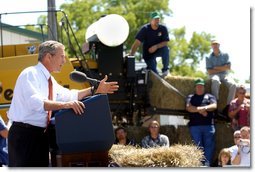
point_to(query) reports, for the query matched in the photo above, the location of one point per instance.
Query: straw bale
(174, 156)
(161, 96)
(181, 135)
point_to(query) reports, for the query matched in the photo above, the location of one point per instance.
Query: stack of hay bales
(162, 96)
(174, 156)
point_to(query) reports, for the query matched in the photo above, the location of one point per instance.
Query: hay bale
(161, 96)
(183, 135)
(174, 156)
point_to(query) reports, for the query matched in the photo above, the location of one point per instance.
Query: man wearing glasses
(242, 155)
(239, 109)
(155, 139)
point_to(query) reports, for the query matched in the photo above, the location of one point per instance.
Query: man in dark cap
(154, 37)
(201, 108)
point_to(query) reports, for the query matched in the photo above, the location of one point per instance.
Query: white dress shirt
(30, 91)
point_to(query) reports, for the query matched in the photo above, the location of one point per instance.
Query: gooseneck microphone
(81, 77)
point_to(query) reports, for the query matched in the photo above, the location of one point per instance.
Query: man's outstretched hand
(107, 87)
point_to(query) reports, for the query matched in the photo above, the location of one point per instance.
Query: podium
(84, 140)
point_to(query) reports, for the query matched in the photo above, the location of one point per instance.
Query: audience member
(3, 139)
(155, 139)
(201, 107)
(233, 149)
(3, 143)
(242, 156)
(224, 157)
(154, 37)
(218, 66)
(239, 109)
(121, 137)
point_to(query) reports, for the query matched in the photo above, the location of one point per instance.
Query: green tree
(135, 12)
(40, 26)
(185, 56)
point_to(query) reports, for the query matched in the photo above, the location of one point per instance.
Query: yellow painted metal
(92, 64)
(17, 50)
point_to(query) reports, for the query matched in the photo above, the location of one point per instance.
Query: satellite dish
(112, 30)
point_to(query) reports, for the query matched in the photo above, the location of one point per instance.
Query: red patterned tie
(50, 97)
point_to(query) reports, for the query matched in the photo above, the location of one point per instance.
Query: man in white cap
(154, 37)
(218, 66)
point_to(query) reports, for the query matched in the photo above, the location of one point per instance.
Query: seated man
(218, 66)
(121, 137)
(153, 37)
(155, 139)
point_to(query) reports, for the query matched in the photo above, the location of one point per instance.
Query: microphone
(81, 77)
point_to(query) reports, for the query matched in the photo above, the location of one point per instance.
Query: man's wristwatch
(92, 89)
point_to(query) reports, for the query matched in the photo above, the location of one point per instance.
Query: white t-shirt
(244, 154)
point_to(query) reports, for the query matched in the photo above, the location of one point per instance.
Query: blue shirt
(161, 140)
(3, 145)
(201, 100)
(150, 37)
(220, 60)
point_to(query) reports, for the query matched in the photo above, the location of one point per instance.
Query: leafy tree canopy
(185, 55)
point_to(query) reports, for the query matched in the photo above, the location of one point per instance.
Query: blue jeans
(204, 137)
(152, 63)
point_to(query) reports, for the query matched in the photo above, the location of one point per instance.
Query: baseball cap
(199, 81)
(215, 42)
(155, 15)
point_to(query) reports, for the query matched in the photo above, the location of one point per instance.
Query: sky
(228, 20)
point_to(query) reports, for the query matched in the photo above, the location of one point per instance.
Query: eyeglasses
(241, 92)
(236, 137)
(153, 126)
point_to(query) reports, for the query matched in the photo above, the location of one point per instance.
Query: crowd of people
(152, 140)
(37, 94)
(201, 107)
(240, 153)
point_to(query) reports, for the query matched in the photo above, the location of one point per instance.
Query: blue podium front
(90, 132)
